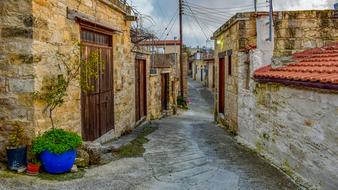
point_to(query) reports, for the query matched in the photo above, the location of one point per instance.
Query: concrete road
(187, 152)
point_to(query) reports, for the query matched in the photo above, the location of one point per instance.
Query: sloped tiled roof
(315, 68)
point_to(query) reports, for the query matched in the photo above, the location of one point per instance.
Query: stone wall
(300, 30)
(154, 108)
(295, 128)
(16, 69)
(210, 77)
(32, 32)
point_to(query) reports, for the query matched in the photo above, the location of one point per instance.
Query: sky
(203, 17)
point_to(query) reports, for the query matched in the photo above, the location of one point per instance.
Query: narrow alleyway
(186, 152)
(191, 152)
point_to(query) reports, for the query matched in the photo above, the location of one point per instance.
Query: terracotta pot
(33, 169)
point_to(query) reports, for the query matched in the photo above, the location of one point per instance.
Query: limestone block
(82, 158)
(12, 32)
(21, 85)
(2, 83)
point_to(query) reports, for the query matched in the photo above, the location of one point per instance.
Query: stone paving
(187, 152)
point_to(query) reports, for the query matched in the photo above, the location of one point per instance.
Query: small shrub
(17, 137)
(56, 141)
(182, 102)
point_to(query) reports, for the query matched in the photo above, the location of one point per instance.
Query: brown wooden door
(165, 91)
(98, 105)
(221, 85)
(140, 88)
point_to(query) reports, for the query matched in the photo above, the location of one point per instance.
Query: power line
(199, 24)
(166, 28)
(192, 29)
(231, 11)
(208, 19)
(172, 26)
(224, 8)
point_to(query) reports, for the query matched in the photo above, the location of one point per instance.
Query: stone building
(32, 32)
(280, 96)
(169, 47)
(164, 86)
(294, 31)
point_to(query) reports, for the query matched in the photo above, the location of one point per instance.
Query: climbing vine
(86, 71)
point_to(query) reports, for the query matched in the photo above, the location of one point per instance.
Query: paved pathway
(186, 152)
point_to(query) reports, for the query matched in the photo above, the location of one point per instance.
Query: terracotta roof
(160, 42)
(315, 68)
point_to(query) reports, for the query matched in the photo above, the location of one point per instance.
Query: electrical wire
(172, 26)
(198, 23)
(166, 28)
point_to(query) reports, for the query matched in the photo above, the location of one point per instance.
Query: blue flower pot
(17, 157)
(57, 163)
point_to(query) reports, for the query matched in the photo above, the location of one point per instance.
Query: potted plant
(33, 167)
(16, 149)
(57, 150)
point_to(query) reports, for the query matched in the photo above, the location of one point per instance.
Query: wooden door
(140, 88)
(221, 86)
(165, 91)
(98, 104)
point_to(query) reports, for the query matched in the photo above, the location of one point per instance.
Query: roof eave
(318, 85)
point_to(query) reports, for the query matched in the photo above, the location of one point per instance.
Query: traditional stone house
(239, 35)
(32, 32)
(164, 86)
(169, 47)
(285, 95)
(198, 67)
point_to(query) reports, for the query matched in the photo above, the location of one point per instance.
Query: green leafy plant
(17, 137)
(182, 102)
(86, 71)
(56, 141)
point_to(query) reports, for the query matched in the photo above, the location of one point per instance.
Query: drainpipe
(255, 3)
(270, 21)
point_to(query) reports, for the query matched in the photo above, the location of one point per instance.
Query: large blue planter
(17, 157)
(57, 163)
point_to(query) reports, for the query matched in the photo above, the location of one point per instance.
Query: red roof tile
(316, 66)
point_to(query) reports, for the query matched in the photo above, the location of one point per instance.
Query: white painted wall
(295, 128)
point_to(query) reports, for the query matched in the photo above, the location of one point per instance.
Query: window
(229, 54)
(229, 65)
(96, 38)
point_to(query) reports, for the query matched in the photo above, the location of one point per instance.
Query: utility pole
(255, 3)
(270, 20)
(181, 49)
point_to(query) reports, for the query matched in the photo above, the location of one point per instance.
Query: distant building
(169, 47)
(202, 64)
